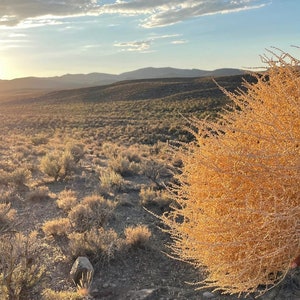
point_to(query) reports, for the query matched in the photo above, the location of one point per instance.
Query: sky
(54, 37)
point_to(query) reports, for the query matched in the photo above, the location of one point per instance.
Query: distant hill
(20, 87)
(169, 89)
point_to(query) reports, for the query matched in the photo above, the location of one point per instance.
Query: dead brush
(137, 236)
(7, 218)
(238, 194)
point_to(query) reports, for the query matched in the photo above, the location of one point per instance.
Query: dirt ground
(140, 273)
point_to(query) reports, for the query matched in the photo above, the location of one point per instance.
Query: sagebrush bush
(238, 196)
(96, 243)
(57, 227)
(67, 199)
(111, 181)
(21, 268)
(20, 177)
(51, 165)
(152, 197)
(137, 236)
(7, 218)
(60, 164)
(93, 211)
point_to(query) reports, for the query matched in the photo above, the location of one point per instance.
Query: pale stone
(82, 268)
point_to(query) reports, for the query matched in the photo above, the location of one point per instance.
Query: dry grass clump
(110, 150)
(57, 227)
(17, 178)
(137, 236)
(49, 294)
(93, 211)
(7, 217)
(67, 199)
(21, 269)
(40, 193)
(7, 195)
(97, 243)
(238, 199)
(155, 171)
(111, 181)
(39, 139)
(20, 177)
(151, 197)
(122, 165)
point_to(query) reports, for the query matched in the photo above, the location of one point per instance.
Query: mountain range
(71, 81)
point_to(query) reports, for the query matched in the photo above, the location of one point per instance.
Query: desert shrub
(147, 196)
(7, 195)
(154, 170)
(76, 150)
(7, 218)
(96, 243)
(19, 177)
(21, 269)
(111, 181)
(57, 227)
(67, 199)
(122, 165)
(152, 197)
(238, 195)
(93, 211)
(49, 294)
(132, 155)
(4, 177)
(40, 193)
(59, 164)
(68, 164)
(51, 165)
(137, 236)
(39, 140)
(110, 150)
(119, 164)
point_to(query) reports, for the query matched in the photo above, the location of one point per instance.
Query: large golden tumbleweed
(238, 197)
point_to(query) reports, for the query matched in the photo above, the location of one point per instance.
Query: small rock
(82, 269)
(208, 295)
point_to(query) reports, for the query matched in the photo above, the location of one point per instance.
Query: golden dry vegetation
(238, 198)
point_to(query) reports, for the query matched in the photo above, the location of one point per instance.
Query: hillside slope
(168, 88)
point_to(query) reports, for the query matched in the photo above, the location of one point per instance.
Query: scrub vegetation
(93, 172)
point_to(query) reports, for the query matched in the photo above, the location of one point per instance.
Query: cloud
(156, 13)
(13, 12)
(138, 46)
(168, 12)
(145, 45)
(178, 42)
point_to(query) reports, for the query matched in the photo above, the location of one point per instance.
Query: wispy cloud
(138, 46)
(156, 13)
(14, 40)
(145, 45)
(167, 12)
(178, 42)
(13, 12)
